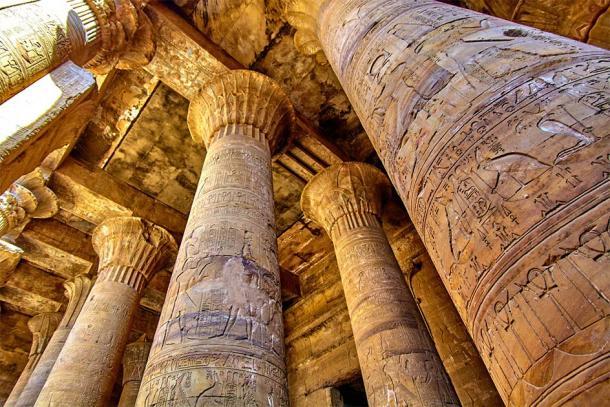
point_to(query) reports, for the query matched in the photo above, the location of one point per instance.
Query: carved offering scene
(304, 203)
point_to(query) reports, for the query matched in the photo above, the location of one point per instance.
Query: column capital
(352, 191)
(42, 327)
(124, 34)
(28, 197)
(76, 290)
(131, 250)
(303, 16)
(242, 98)
(10, 255)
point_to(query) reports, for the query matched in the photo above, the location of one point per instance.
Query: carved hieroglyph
(496, 138)
(42, 327)
(77, 290)
(36, 36)
(220, 335)
(398, 361)
(134, 362)
(131, 250)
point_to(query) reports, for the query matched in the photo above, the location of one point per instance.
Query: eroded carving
(220, 334)
(134, 362)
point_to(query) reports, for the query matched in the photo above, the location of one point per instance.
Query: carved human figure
(42, 327)
(220, 335)
(134, 362)
(37, 36)
(399, 363)
(495, 137)
(77, 290)
(131, 250)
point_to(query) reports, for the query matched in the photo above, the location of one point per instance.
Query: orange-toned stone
(398, 361)
(42, 327)
(131, 250)
(495, 137)
(77, 290)
(134, 362)
(220, 335)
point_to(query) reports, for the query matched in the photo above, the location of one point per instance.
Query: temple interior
(304, 202)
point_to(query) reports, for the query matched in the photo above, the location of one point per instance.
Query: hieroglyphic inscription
(220, 334)
(398, 361)
(128, 247)
(496, 138)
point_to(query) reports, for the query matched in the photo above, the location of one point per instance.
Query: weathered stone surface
(9, 258)
(220, 334)
(77, 290)
(134, 362)
(398, 361)
(494, 135)
(585, 20)
(42, 327)
(131, 250)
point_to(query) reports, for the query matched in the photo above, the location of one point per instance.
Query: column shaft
(77, 290)
(398, 361)
(130, 251)
(42, 327)
(134, 362)
(220, 336)
(495, 137)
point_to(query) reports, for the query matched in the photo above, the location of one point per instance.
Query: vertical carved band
(220, 335)
(398, 361)
(495, 137)
(134, 362)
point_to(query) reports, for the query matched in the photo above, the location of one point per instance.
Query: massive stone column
(37, 36)
(77, 290)
(495, 136)
(131, 250)
(134, 362)
(220, 335)
(42, 327)
(398, 361)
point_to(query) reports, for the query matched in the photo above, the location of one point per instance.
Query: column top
(242, 97)
(342, 189)
(133, 243)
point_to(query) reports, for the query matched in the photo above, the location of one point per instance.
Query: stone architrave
(398, 360)
(37, 36)
(220, 335)
(42, 327)
(131, 250)
(134, 362)
(495, 137)
(77, 290)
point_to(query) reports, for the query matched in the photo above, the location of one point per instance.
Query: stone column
(220, 335)
(398, 361)
(77, 290)
(134, 362)
(495, 137)
(131, 250)
(42, 327)
(37, 36)
(460, 357)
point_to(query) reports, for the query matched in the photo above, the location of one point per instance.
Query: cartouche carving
(77, 290)
(28, 197)
(398, 360)
(495, 137)
(220, 335)
(131, 250)
(134, 362)
(42, 327)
